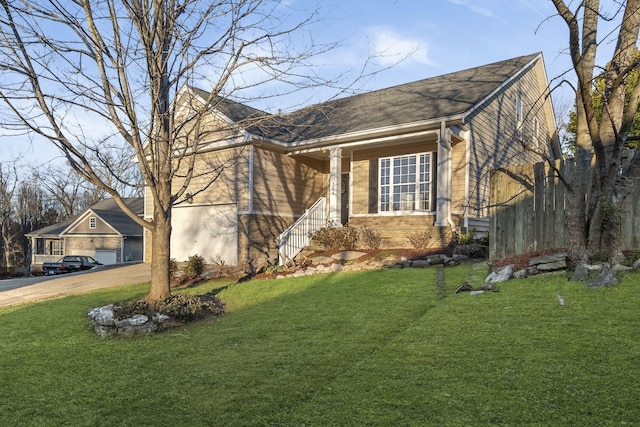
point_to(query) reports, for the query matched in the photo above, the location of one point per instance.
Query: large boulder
(501, 275)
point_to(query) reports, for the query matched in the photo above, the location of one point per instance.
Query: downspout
(443, 205)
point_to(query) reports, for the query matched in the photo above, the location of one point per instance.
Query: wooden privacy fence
(528, 210)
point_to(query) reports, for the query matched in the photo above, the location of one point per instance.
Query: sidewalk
(77, 283)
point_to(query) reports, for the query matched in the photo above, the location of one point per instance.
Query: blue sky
(435, 36)
(449, 35)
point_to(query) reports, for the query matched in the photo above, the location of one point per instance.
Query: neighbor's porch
(46, 249)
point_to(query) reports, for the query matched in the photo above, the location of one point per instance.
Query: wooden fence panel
(538, 195)
(528, 210)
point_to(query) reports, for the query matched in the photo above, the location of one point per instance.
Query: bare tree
(597, 192)
(70, 67)
(9, 228)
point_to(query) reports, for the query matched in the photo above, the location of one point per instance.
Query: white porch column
(443, 200)
(335, 176)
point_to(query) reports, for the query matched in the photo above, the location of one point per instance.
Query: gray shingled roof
(433, 98)
(107, 210)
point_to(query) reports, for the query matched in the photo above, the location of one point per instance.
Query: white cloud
(390, 47)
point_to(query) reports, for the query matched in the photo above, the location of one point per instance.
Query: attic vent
(92, 222)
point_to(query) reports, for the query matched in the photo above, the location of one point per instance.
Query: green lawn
(372, 348)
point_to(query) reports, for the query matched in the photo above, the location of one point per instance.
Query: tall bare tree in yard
(69, 67)
(601, 181)
(9, 228)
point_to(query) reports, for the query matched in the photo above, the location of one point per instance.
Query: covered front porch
(386, 178)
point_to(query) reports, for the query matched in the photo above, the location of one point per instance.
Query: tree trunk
(579, 181)
(160, 255)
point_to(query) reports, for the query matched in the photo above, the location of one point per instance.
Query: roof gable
(108, 211)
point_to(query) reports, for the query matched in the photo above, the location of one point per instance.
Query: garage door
(208, 231)
(105, 256)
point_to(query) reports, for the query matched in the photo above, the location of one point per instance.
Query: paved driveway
(25, 290)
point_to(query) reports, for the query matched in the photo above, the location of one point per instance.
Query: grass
(370, 348)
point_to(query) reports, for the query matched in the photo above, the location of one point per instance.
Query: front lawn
(370, 348)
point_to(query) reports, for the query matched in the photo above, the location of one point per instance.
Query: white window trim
(417, 200)
(92, 222)
(57, 247)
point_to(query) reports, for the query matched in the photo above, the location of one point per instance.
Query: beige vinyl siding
(458, 172)
(73, 244)
(495, 141)
(284, 185)
(210, 127)
(83, 227)
(219, 177)
(258, 239)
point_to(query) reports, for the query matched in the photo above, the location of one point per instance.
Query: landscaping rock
(549, 259)
(321, 260)
(521, 274)
(106, 325)
(580, 274)
(347, 255)
(552, 266)
(636, 264)
(436, 259)
(606, 278)
(620, 267)
(103, 316)
(421, 263)
(501, 275)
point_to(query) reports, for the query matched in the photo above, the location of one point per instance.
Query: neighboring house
(413, 158)
(103, 231)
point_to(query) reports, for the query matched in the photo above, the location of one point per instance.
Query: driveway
(19, 291)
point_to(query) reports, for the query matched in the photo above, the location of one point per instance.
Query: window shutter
(373, 186)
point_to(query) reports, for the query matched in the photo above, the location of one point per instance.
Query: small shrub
(472, 250)
(194, 268)
(273, 267)
(188, 308)
(466, 238)
(337, 238)
(420, 239)
(369, 239)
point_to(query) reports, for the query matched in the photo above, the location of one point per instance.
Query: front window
(56, 247)
(405, 183)
(92, 222)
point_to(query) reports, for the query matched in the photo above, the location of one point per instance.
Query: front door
(344, 190)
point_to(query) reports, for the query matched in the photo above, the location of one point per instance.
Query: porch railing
(296, 237)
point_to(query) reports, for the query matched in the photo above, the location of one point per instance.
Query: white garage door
(105, 256)
(208, 231)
